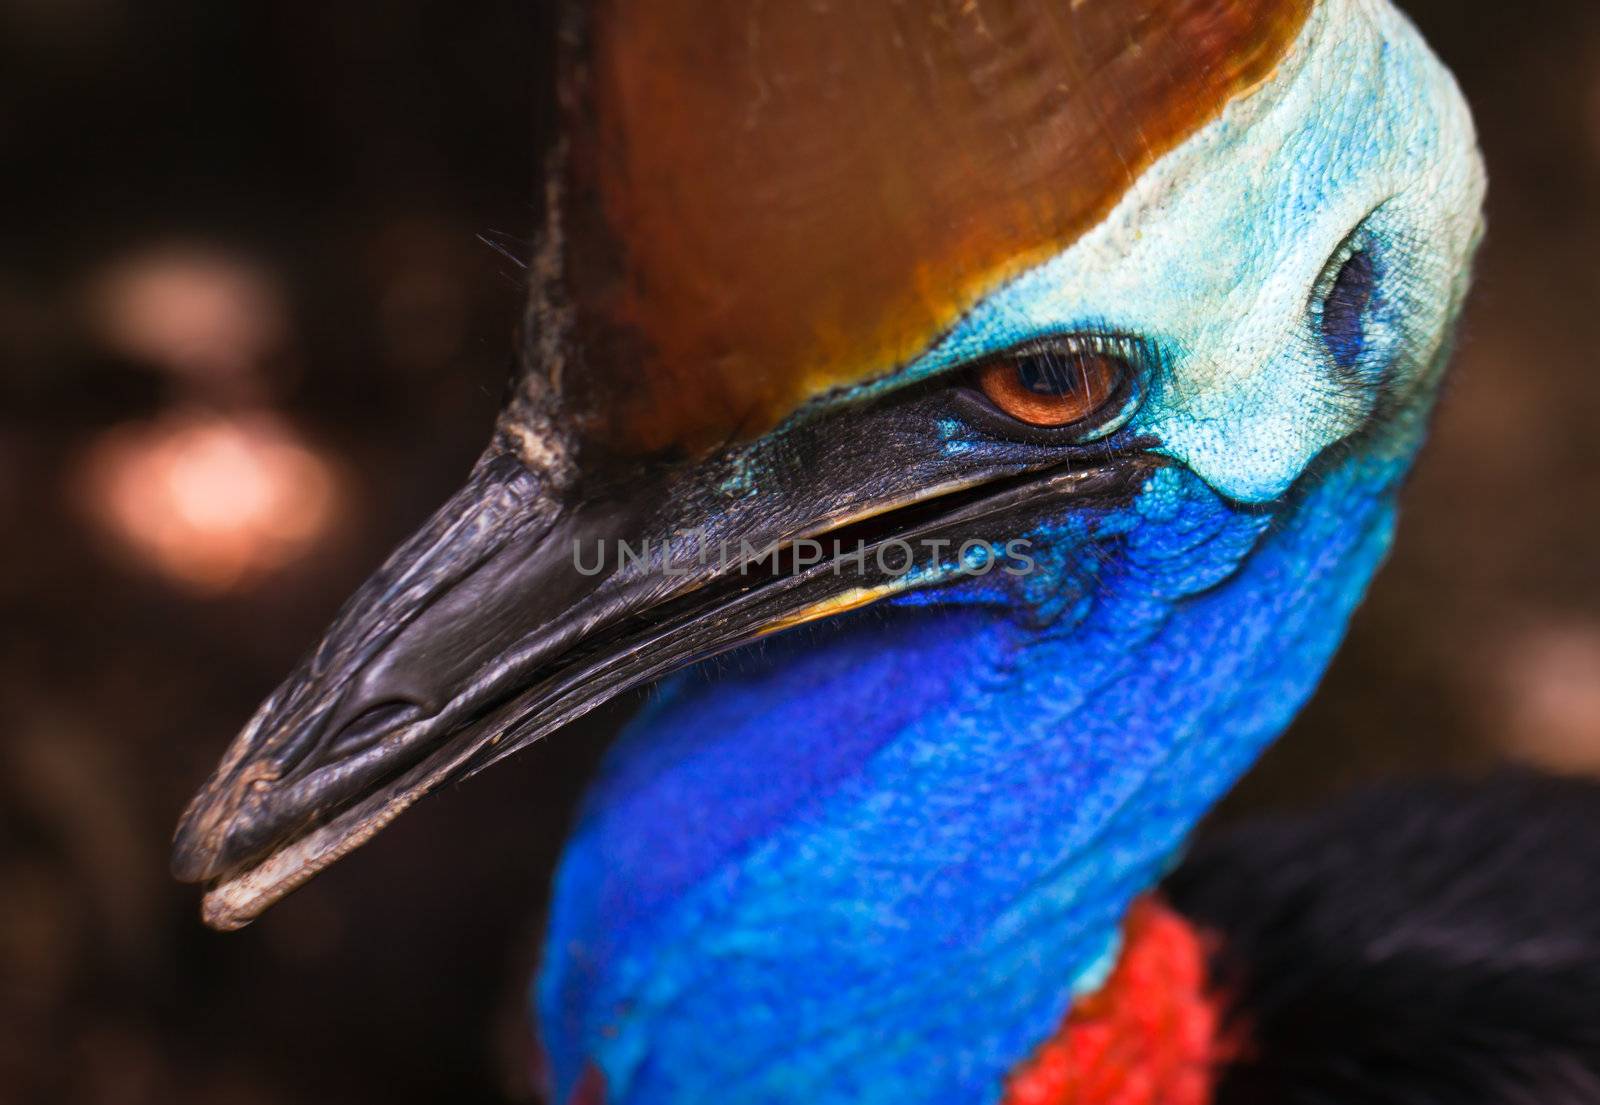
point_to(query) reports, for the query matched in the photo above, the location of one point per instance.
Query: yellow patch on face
(842, 603)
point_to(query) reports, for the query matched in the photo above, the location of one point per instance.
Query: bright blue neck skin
(872, 863)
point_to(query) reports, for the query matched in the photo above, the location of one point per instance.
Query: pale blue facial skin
(1215, 255)
(874, 862)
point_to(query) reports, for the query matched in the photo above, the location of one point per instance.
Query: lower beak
(511, 613)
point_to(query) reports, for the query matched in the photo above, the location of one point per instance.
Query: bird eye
(1055, 386)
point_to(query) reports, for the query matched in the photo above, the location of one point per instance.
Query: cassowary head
(1086, 342)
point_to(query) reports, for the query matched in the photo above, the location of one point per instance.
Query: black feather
(1420, 944)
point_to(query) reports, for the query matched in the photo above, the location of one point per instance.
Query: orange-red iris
(1052, 388)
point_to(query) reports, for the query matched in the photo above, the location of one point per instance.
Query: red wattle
(1150, 1036)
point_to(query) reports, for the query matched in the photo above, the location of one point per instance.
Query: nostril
(372, 725)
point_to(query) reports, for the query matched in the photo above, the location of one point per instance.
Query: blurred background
(258, 280)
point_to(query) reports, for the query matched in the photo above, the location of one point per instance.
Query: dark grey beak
(360, 714)
(520, 606)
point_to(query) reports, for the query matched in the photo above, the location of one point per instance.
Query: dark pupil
(1346, 304)
(1050, 373)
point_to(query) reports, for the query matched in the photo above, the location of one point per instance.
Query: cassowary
(1086, 342)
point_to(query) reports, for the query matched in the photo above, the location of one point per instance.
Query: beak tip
(193, 860)
(202, 843)
(220, 915)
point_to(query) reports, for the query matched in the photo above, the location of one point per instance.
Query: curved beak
(518, 608)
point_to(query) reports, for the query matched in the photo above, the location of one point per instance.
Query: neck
(876, 866)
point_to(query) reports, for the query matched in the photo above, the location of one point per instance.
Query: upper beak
(516, 609)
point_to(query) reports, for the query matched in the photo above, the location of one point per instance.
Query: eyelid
(1134, 350)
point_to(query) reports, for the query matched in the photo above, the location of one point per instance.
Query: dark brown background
(338, 160)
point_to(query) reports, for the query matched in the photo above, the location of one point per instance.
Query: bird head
(1003, 307)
